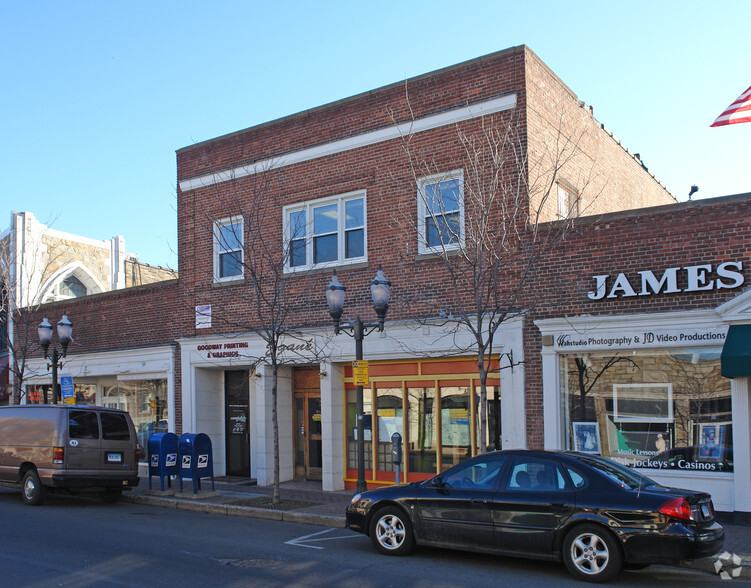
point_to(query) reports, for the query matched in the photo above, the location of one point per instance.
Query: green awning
(736, 353)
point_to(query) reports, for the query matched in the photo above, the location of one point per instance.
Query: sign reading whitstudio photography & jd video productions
(641, 339)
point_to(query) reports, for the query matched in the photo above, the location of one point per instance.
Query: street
(73, 541)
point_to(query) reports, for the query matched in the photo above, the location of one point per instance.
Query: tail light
(58, 455)
(139, 450)
(678, 508)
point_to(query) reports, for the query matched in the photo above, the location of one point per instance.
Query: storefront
(648, 391)
(139, 381)
(422, 384)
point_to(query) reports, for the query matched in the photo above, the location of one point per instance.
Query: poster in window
(586, 437)
(712, 439)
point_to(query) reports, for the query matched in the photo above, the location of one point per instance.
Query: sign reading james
(697, 278)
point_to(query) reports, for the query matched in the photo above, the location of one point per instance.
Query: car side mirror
(436, 482)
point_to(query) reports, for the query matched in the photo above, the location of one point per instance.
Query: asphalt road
(73, 541)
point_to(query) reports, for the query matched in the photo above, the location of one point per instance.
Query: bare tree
(488, 223)
(269, 302)
(24, 274)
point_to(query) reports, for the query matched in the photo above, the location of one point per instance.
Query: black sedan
(594, 514)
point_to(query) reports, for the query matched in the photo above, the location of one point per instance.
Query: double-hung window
(325, 232)
(228, 249)
(440, 212)
(568, 202)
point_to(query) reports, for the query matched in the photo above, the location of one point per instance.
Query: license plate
(705, 511)
(114, 458)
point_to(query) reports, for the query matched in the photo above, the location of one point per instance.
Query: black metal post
(361, 486)
(55, 359)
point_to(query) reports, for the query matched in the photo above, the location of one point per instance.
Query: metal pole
(55, 387)
(361, 486)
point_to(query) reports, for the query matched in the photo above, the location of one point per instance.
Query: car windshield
(622, 475)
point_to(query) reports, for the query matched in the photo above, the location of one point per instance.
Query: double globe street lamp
(65, 335)
(380, 291)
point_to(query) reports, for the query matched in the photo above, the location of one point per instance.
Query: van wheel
(33, 490)
(111, 495)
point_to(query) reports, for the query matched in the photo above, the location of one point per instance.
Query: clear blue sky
(96, 96)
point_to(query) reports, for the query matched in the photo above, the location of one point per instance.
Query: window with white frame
(440, 212)
(325, 232)
(568, 202)
(228, 249)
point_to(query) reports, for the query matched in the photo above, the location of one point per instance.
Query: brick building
(39, 264)
(396, 177)
(343, 187)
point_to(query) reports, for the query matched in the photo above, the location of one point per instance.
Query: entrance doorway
(237, 422)
(306, 387)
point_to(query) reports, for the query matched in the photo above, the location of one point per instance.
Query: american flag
(738, 112)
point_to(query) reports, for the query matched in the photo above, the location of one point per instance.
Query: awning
(736, 353)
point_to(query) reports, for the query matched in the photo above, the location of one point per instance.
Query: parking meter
(396, 454)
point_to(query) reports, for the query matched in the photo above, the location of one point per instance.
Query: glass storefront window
(492, 417)
(145, 401)
(352, 427)
(664, 410)
(422, 422)
(390, 413)
(433, 405)
(455, 425)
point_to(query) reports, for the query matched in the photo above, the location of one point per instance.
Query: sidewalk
(305, 502)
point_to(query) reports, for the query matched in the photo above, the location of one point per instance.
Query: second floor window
(325, 232)
(440, 212)
(228, 249)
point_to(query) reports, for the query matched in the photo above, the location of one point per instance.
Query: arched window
(71, 287)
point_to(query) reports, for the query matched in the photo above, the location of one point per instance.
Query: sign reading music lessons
(360, 372)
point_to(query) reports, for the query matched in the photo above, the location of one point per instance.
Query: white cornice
(427, 123)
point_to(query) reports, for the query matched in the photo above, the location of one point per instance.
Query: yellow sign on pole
(360, 372)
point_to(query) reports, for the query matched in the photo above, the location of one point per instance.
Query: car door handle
(480, 500)
(558, 506)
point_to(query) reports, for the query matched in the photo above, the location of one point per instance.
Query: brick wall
(388, 176)
(565, 136)
(708, 231)
(122, 319)
(138, 274)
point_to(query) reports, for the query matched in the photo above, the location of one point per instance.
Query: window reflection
(668, 410)
(422, 418)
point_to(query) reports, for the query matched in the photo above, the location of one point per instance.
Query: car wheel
(111, 495)
(591, 554)
(33, 490)
(391, 531)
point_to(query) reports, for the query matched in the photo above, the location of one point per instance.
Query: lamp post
(65, 334)
(380, 291)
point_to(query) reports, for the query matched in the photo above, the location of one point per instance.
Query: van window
(83, 424)
(115, 427)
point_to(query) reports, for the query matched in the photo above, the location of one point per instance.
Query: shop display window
(664, 410)
(435, 407)
(145, 401)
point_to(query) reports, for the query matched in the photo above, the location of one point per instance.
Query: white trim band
(363, 140)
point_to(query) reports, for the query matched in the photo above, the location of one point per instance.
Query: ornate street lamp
(380, 291)
(65, 335)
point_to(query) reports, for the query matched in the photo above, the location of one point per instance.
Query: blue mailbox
(196, 459)
(163, 457)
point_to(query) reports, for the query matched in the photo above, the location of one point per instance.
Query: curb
(240, 511)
